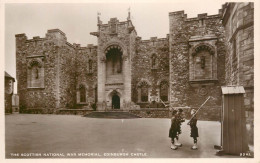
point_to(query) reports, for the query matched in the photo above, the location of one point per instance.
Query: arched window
(144, 92)
(82, 92)
(164, 91)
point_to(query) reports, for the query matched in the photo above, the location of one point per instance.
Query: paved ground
(58, 135)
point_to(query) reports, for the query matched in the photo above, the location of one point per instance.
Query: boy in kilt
(173, 129)
(194, 129)
(180, 120)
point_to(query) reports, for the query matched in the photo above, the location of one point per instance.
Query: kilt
(194, 132)
(172, 133)
(173, 129)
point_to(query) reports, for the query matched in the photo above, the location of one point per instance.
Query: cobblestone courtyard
(58, 136)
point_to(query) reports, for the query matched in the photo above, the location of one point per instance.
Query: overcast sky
(78, 20)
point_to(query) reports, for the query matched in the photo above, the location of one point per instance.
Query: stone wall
(85, 74)
(56, 58)
(74, 111)
(143, 70)
(238, 20)
(45, 50)
(185, 35)
(67, 76)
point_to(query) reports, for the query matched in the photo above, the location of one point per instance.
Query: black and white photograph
(129, 80)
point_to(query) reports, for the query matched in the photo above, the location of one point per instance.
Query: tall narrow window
(82, 91)
(164, 91)
(234, 49)
(144, 92)
(90, 66)
(154, 61)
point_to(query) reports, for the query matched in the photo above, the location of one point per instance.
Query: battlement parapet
(199, 16)
(153, 39)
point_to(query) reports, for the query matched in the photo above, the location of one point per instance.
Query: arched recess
(114, 43)
(143, 88)
(203, 62)
(114, 60)
(82, 93)
(203, 46)
(35, 73)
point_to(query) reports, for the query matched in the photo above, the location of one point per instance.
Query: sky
(78, 20)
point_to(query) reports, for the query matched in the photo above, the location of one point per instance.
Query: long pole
(199, 109)
(164, 103)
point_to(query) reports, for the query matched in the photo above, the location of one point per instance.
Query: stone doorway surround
(114, 97)
(115, 102)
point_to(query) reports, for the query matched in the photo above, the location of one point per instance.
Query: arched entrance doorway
(115, 102)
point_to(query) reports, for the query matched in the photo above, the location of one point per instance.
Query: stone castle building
(238, 21)
(124, 72)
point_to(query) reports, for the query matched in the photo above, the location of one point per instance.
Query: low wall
(55, 111)
(206, 113)
(151, 113)
(36, 111)
(74, 111)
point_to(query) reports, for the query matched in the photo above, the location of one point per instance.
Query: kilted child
(180, 119)
(194, 129)
(173, 129)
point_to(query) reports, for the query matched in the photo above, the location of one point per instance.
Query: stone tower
(116, 45)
